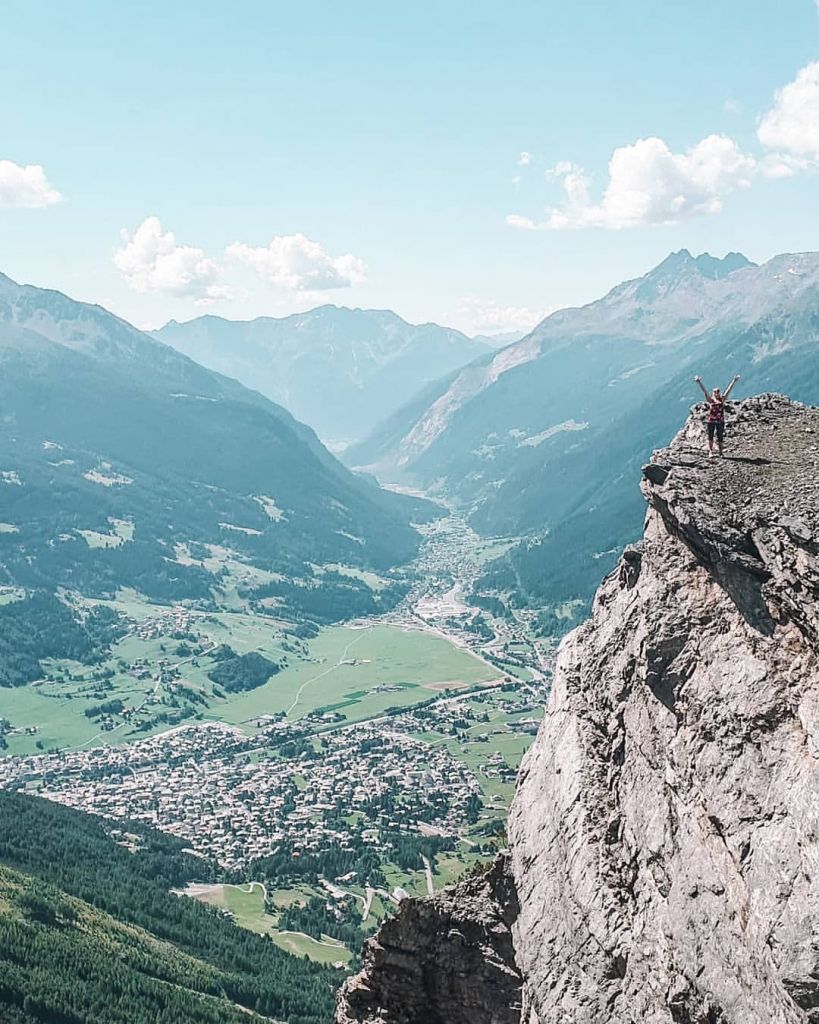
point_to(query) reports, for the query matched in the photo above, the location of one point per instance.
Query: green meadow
(347, 667)
(246, 905)
(358, 672)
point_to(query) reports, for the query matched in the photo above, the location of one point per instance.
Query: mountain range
(342, 371)
(124, 463)
(540, 439)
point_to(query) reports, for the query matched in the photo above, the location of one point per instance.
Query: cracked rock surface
(664, 836)
(446, 959)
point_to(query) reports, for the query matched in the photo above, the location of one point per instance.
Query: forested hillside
(91, 934)
(124, 464)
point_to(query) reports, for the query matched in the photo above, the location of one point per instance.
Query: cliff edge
(663, 863)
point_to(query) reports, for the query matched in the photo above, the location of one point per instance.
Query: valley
(375, 761)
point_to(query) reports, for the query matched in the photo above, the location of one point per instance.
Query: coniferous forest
(92, 934)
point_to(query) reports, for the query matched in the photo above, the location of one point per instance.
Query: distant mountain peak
(340, 369)
(705, 264)
(7, 286)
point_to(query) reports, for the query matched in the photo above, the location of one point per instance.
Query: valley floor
(396, 740)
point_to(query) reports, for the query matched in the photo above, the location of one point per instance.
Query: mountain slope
(539, 438)
(340, 370)
(664, 827)
(108, 433)
(89, 932)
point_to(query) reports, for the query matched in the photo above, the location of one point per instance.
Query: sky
(472, 163)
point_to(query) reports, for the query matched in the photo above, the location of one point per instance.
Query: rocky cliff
(664, 838)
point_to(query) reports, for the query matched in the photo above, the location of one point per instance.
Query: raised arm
(698, 379)
(730, 387)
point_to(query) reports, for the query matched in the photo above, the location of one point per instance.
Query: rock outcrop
(443, 960)
(664, 836)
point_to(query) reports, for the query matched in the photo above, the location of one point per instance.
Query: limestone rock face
(446, 959)
(664, 836)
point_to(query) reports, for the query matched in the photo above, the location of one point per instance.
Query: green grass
(508, 669)
(373, 581)
(59, 718)
(246, 904)
(287, 897)
(488, 550)
(450, 868)
(326, 952)
(385, 655)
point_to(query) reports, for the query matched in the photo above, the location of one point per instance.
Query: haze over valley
(331, 683)
(398, 624)
(342, 371)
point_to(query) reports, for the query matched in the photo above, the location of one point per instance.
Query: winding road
(251, 886)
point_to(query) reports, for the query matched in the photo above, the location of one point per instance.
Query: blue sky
(268, 157)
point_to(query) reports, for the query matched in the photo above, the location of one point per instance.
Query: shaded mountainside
(124, 463)
(543, 438)
(89, 932)
(665, 829)
(341, 370)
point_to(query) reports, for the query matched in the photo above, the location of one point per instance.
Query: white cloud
(25, 186)
(791, 127)
(295, 263)
(560, 168)
(515, 220)
(485, 316)
(649, 185)
(524, 159)
(151, 261)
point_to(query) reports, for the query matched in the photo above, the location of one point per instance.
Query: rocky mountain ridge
(683, 298)
(664, 835)
(544, 439)
(340, 370)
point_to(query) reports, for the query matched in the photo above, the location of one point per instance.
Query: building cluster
(231, 798)
(446, 573)
(174, 620)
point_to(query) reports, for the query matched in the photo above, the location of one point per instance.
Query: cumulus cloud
(791, 127)
(295, 263)
(150, 260)
(25, 186)
(524, 159)
(648, 184)
(485, 316)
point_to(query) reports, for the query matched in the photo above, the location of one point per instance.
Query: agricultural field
(158, 676)
(348, 669)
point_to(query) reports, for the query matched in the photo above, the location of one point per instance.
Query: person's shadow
(758, 461)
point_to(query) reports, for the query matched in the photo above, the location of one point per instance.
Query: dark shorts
(717, 428)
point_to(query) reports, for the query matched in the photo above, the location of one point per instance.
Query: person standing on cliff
(715, 424)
